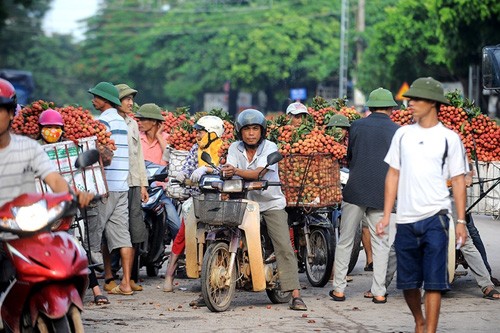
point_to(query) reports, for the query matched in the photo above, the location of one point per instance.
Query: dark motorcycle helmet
(251, 117)
(8, 97)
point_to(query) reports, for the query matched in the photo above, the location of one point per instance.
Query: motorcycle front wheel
(319, 262)
(218, 286)
(70, 323)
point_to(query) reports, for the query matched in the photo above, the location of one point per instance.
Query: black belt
(442, 212)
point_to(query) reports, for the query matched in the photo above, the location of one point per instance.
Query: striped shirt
(20, 162)
(117, 171)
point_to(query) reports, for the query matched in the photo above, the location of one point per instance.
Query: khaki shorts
(113, 219)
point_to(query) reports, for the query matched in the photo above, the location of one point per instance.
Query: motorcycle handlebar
(158, 178)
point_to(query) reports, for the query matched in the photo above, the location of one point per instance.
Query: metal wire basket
(311, 181)
(219, 212)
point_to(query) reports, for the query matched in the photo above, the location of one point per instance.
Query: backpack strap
(445, 154)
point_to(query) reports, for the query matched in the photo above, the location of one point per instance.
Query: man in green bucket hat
(153, 137)
(421, 158)
(113, 217)
(363, 195)
(154, 142)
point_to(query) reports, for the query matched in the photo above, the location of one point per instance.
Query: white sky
(65, 14)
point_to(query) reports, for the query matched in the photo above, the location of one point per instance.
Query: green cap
(427, 88)
(150, 111)
(124, 90)
(107, 91)
(338, 120)
(380, 98)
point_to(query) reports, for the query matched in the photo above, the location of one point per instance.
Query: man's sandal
(298, 304)
(134, 286)
(491, 294)
(379, 301)
(118, 291)
(335, 297)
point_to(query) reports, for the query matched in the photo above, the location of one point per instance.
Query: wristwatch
(461, 221)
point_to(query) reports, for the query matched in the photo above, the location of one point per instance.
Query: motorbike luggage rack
(219, 212)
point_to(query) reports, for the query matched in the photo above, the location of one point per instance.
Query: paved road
(463, 308)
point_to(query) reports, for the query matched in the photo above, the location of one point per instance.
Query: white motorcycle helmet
(210, 124)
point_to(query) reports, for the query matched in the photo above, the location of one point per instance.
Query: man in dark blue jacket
(369, 141)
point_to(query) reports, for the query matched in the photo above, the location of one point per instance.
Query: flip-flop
(379, 301)
(135, 286)
(117, 291)
(491, 295)
(101, 300)
(109, 284)
(335, 297)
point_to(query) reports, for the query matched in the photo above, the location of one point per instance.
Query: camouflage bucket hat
(427, 88)
(124, 90)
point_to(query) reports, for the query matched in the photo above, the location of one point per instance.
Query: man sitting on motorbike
(21, 161)
(247, 159)
(209, 130)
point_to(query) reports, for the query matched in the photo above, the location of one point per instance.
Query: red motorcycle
(49, 267)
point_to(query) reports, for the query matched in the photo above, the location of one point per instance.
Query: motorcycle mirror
(87, 158)
(205, 157)
(274, 158)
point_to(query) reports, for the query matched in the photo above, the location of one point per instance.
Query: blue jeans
(173, 219)
(476, 239)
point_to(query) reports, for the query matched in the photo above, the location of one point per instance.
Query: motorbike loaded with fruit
(229, 246)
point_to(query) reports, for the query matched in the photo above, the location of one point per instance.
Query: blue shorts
(422, 254)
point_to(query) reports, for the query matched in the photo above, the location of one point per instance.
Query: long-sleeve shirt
(137, 175)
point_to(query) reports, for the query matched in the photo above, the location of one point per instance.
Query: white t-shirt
(272, 198)
(425, 158)
(20, 162)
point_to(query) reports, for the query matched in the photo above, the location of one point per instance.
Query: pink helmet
(50, 117)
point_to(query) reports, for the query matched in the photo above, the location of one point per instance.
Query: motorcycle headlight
(232, 186)
(33, 217)
(209, 181)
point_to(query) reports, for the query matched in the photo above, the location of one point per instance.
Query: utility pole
(360, 28)
(344, 23)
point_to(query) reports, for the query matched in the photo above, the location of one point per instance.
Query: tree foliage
(465, 28)
(197, 46)
(25, 47)
(427, 38)
(174, 54)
